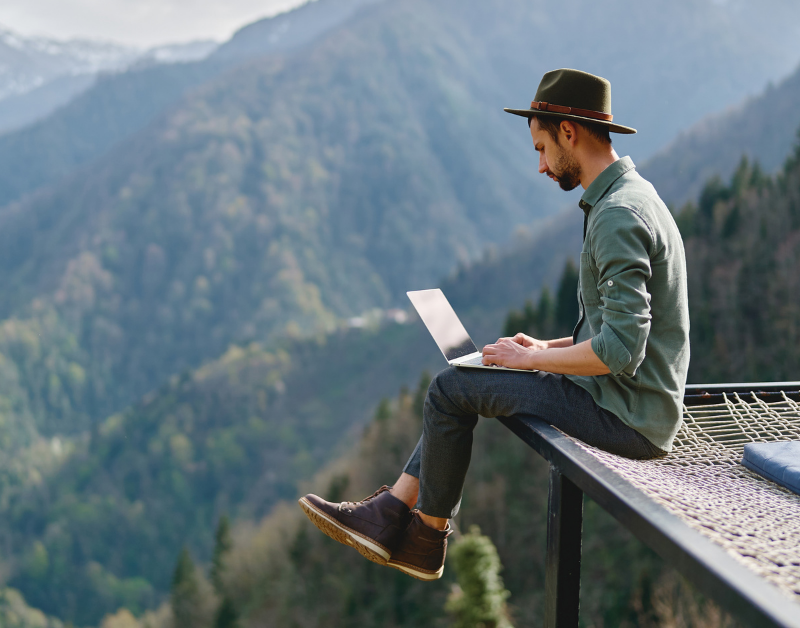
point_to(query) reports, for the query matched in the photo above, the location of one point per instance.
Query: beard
(567, 170)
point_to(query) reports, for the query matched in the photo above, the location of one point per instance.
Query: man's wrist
(535, 359)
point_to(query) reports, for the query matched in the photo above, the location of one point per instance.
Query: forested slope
(234, 437)
(743, 250)
(286, 573)
(762, 128)
(120, 104)
(292, 191)
(194, 264)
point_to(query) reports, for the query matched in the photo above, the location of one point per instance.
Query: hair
(551, 124)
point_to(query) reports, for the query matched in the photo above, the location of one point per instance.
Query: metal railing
(575, 472)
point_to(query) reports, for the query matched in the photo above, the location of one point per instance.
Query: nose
(542, 164)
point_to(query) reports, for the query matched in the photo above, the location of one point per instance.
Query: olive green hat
(575, 95)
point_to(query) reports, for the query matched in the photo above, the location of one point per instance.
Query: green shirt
(633, 303)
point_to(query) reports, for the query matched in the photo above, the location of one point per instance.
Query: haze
(136, 22)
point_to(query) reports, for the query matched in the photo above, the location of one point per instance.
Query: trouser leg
(457, 396)
(442, 455)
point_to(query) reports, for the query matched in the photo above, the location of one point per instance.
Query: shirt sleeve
(621, 243)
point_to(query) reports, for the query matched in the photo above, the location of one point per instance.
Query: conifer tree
(480, 599)
(223, 543)
(185, 597)
(566, 299)
(226, 615)
(422, 391)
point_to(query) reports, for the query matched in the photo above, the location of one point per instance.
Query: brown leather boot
(421, 552)
(373, 526)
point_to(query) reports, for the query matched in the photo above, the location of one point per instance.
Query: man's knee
(443, 383)
(446, 395)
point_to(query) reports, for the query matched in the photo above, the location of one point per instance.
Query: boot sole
(414, 573)
(344, 535)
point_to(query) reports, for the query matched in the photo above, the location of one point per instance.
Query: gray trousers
(457, 396)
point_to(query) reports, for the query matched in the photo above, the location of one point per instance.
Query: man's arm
(555, 356)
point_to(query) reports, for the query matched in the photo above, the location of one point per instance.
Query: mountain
(763, 128)
(19, 110)
(704, 38)
(246, 430)
(39, 75)
(23, 109)
(236, 210)
(279, 194)
(291, 30)
(29, 62)
(229, 437)
(115, 106)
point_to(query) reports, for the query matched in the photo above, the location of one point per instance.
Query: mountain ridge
(763, 128)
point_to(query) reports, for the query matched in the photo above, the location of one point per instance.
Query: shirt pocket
(591, 296)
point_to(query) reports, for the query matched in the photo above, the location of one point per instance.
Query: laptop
(449, 334)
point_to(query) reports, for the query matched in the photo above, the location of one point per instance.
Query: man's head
(570, 120)
(562, 144)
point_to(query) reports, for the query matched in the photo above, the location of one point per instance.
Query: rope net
(702, 482)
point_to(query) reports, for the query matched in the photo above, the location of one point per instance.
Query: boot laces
(366, 499)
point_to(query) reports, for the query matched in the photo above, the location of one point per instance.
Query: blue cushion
(779, 462)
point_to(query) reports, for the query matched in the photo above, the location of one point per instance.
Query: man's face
(556, 159)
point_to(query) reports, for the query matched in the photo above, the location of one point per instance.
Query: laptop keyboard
(477, 360)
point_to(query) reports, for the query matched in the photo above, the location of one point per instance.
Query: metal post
(563, 562)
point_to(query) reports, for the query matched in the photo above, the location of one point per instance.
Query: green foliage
(227, 616)
(383, 411)
(288, 573)
(15, 613)
(223, 542)
(743, 263)
(242, 216)
(420, 394)
(235, 436)
(185, 594)
(550, 318)
(480, 600)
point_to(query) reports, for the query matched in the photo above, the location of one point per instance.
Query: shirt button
(610, 283)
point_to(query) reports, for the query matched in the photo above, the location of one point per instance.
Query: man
(617, 383)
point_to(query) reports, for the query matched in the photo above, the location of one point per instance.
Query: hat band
(584, 113)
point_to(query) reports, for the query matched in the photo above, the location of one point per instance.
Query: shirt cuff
(609, 348)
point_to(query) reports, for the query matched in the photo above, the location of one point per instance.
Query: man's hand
(528, 342)
(511, 352)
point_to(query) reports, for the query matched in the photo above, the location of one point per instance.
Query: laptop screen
(440, 319)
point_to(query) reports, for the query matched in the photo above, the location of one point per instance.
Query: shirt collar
(603, 182)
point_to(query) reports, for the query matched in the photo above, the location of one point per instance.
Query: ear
(570, 131)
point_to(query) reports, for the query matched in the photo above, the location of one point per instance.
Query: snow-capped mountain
(38, 74)
(30, 62)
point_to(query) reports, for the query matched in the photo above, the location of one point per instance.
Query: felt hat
(575, 95)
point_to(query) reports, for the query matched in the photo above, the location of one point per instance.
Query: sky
(136, 22)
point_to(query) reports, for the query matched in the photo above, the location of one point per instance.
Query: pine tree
(567, 300)
(418, 404)
(185, 597)
(223, 543)
(226, 615)
(480, 599)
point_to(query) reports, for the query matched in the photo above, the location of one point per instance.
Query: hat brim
(613, 128)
